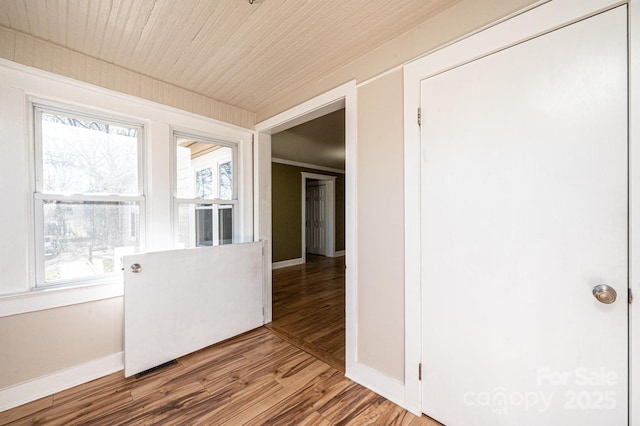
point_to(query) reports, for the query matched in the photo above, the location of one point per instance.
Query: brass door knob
(605, 294)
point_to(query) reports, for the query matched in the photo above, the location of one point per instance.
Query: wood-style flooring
(253, 379)
(309, 308)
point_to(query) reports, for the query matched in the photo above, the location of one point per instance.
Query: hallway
(309, 308)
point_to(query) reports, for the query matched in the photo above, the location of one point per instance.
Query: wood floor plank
(390, 414)
(216, 409)
(331, 359)
(259, 411)
(301, 404)
(349, 405)
(156, 407)
(25, 410)
(78, 412)
(309, 308)
(101, 385)
(167, 377)
(314, 419)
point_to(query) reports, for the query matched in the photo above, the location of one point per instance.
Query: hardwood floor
(253, 379)
(308, 308)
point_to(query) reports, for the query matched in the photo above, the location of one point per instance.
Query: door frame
(543, 17)
(343, 96)
(330, 211)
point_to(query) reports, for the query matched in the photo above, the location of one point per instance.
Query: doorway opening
(308, 190)
(309, 308)
(319, 215)
(308, 281)
(341, 97)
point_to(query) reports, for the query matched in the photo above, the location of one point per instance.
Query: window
(205, 191)
(88, 198)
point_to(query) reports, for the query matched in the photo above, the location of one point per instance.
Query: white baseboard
(339, 253)
(383, 385)
(286, 263)
(47, 385)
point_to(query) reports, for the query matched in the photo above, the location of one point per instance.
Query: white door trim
(330, 213)
(634, 209)
(520, 28)
(333, 100)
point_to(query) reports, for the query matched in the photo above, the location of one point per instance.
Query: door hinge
(419, 116)
(630, 296)
(420, 371)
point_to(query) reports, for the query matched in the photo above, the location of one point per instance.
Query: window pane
(204, 170)
(226, 190)
(202, 225)
(81, 156)
(204, 183)
(86, 239)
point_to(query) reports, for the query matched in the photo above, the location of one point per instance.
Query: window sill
(41, 299)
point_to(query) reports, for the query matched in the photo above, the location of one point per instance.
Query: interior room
(439, 198)
(308, 231)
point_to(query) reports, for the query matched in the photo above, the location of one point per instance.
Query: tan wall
(286, 201)
(38, 343)
(27, 50)
(380, 165)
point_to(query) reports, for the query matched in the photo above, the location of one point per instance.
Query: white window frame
(20, 87)
(235, 175)
(39, 197)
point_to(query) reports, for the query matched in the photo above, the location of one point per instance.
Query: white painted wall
(14, 187)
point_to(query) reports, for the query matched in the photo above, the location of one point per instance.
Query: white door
(524, 212)
(181, 301)
(317, 218)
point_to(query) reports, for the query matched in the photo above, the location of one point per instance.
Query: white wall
(14, 187)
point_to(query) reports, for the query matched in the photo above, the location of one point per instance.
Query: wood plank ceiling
(241, 54)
